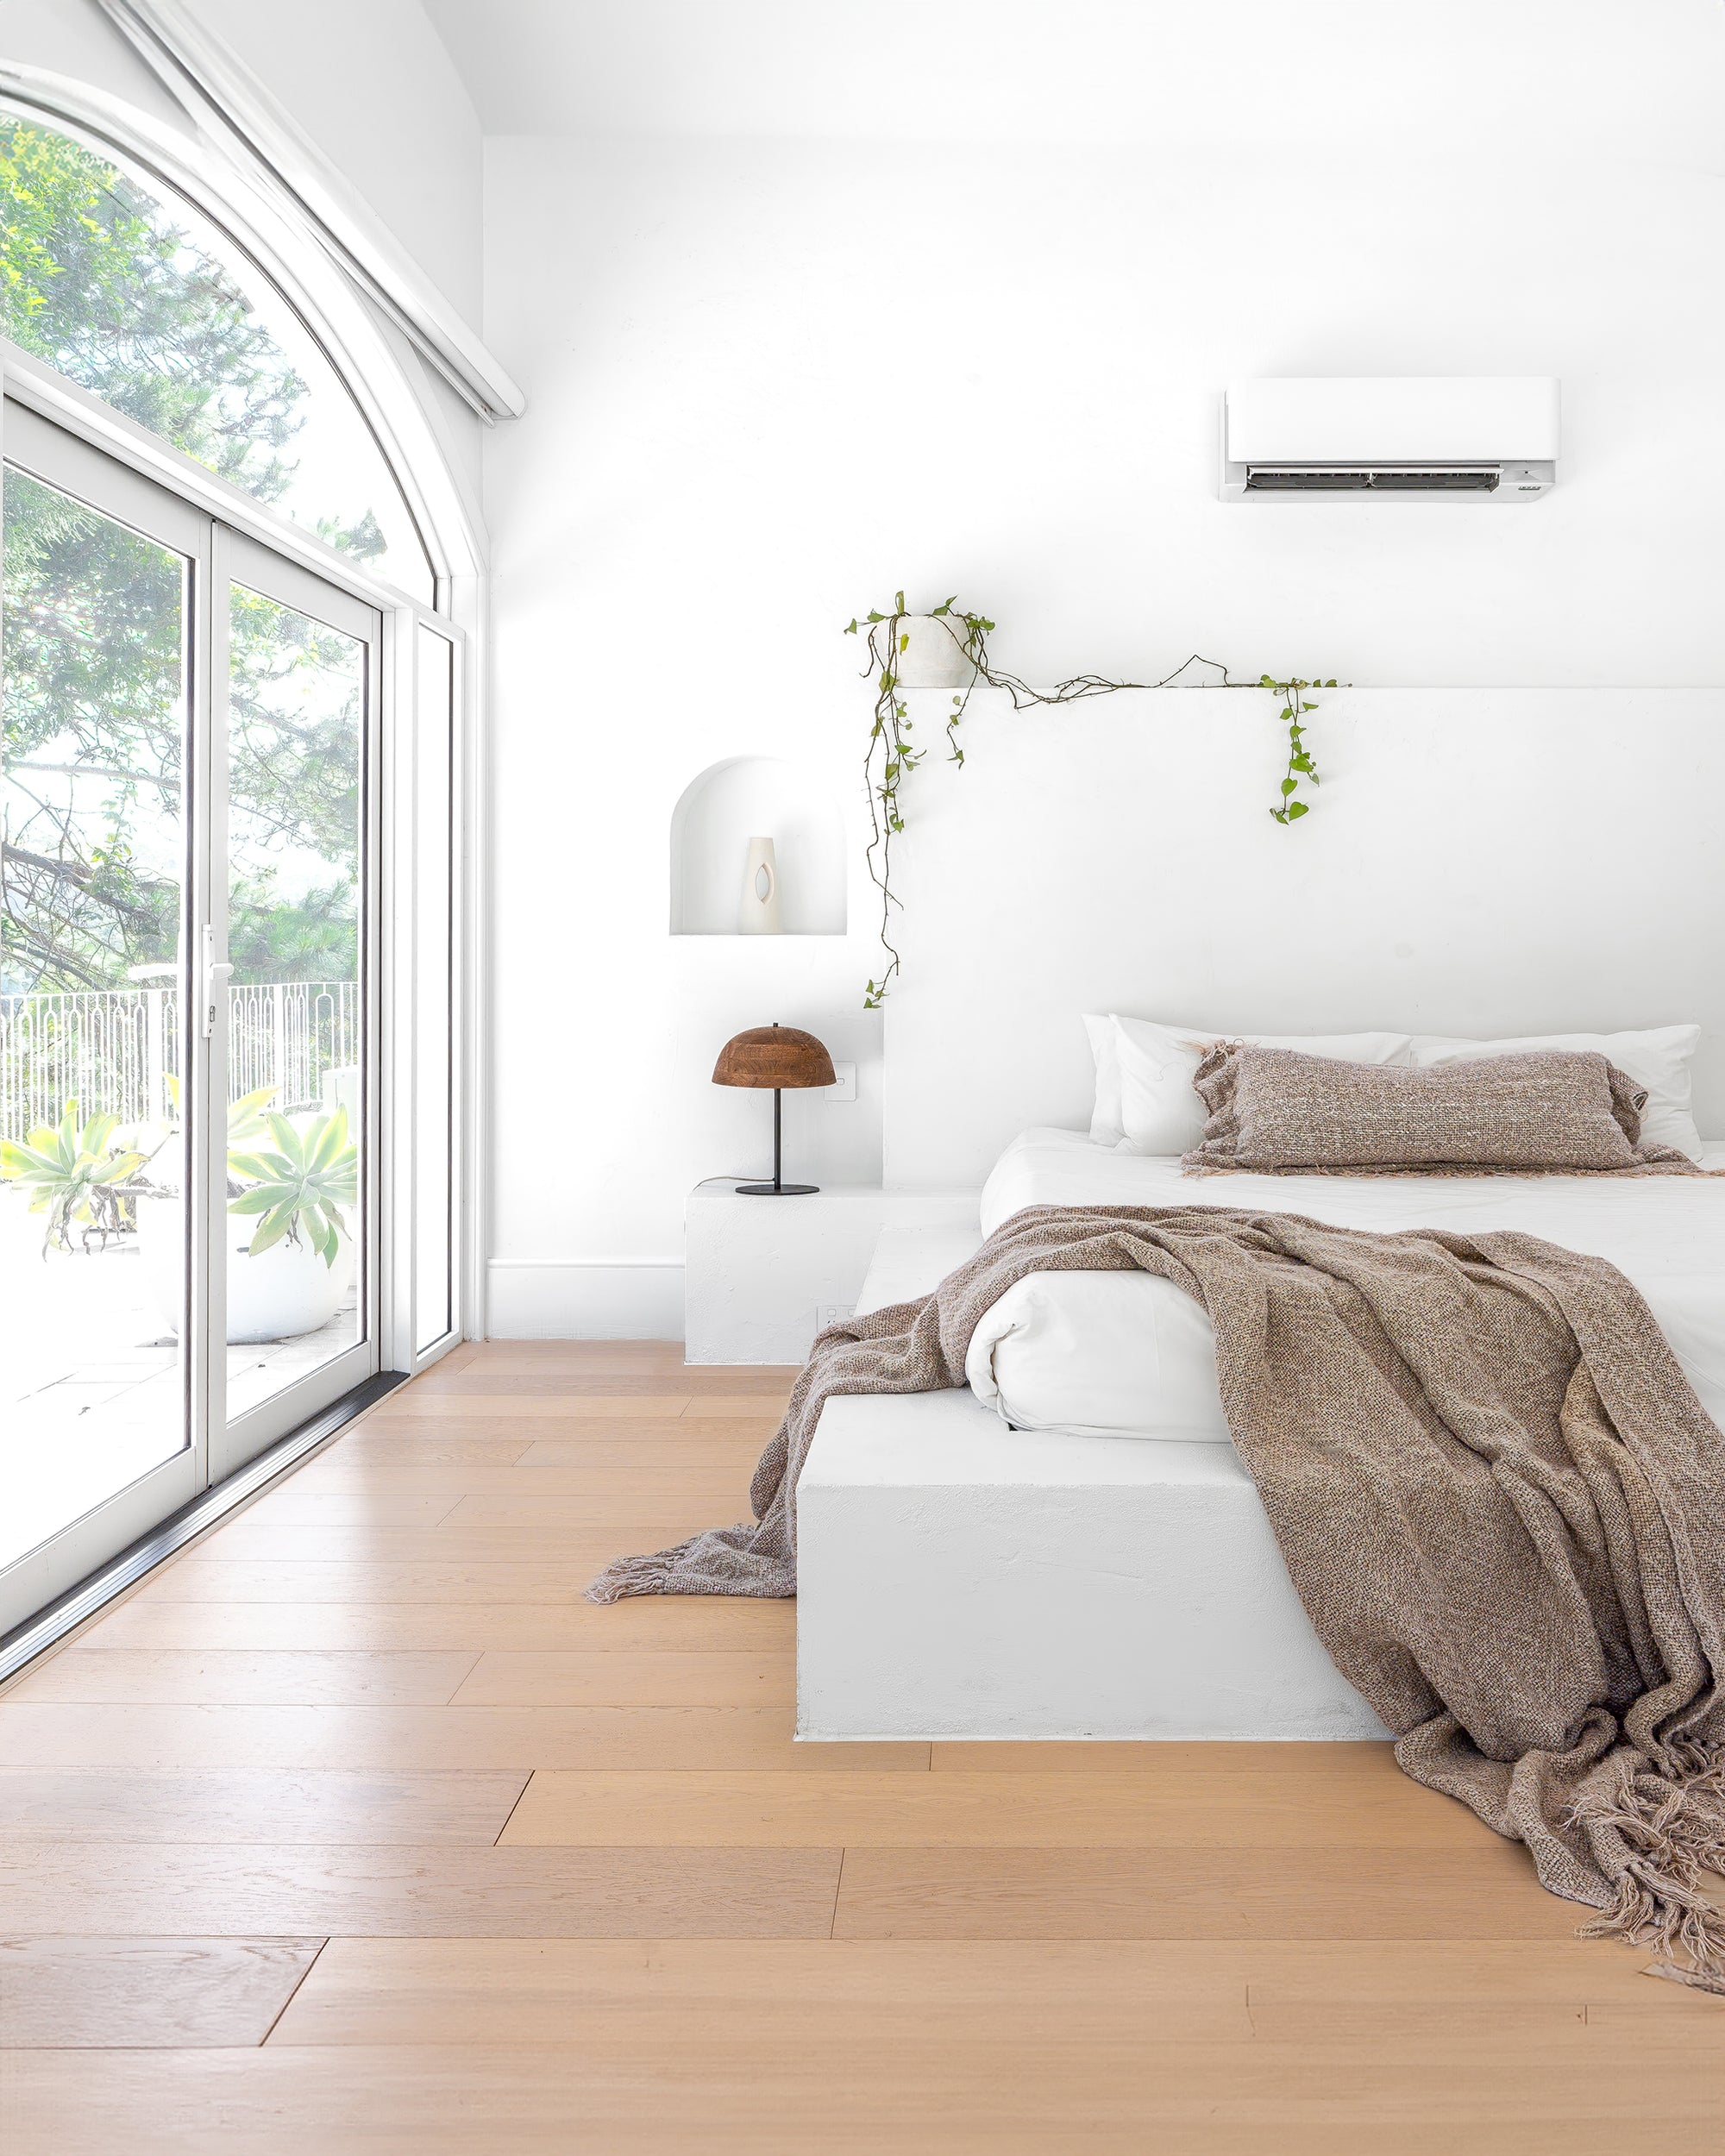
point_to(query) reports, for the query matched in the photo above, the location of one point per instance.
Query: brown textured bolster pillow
(1273, 1110)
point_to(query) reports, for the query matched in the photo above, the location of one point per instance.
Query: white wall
(771, 381)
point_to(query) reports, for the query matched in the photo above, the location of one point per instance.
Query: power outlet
(846, 1088)
(826, 1313)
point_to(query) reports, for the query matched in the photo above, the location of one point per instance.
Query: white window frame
(269, 229)
(42, 390)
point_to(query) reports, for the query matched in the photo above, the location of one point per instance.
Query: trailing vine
(1300, 763)
(891, 755)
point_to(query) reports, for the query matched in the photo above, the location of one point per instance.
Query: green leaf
(1296, 808)
(898, 602)
(1287, 787)
(270, 1231)
(851, 626)
(327, 1138)
(260, 1199)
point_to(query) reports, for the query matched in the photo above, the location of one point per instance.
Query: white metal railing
(112, 1050)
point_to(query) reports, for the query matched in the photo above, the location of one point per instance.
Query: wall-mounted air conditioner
(1483, 437)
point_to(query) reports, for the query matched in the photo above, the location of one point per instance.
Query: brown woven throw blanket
(1496, 1493)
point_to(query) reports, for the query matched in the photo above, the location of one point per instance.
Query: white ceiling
(1620, 78)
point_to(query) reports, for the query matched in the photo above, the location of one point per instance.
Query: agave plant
(73, 1174)
(301, 1185)
(245, 1118)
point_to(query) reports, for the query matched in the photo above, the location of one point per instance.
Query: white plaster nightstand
(758, 1270)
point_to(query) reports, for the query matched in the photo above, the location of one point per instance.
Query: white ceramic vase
(761, 914)
(934, 657)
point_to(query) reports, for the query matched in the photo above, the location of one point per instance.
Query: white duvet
(1126, 1354)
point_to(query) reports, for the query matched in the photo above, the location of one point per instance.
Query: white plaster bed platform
(959, 1579)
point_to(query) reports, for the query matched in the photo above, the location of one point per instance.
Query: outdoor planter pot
(286, 1291)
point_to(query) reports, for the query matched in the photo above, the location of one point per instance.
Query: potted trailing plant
(947, 648)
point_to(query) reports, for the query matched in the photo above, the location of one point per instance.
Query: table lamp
(774, 1055)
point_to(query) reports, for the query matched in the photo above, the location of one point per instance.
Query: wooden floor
(356, 1828)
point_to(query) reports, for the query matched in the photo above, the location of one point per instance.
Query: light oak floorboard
(428, 1409)
(193, 1805)
(78, 1993)
(597, 1354)
(1488, 1891)
(1210, 1807)
(535, 1992)
(237, 1676)
(677, 1625)
(735, 1437)
(388, 1457)
(403, 1502)
(508, 1487)
(550, 1510)
(150, 1888)
(1247, 2098)
(1330, 1762)
(406, 1738)
(575, 1384)
(356, 1580)
(605, 1527)
(572, 1429)
(632, 1680)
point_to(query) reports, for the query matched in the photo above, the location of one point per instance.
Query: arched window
(139, 302)
(230, 801)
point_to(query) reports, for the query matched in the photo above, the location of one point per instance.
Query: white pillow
(1105, 1117)
(1657, 1059)
(1160, 1111)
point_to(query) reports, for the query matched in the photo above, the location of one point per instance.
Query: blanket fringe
(647, 1575)
(1673, 1829)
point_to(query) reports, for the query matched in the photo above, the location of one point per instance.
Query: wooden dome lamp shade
(779, 1057)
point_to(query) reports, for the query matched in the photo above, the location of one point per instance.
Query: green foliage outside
(96, 280)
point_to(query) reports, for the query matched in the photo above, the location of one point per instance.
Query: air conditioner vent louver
(1266, 479)
(1478, 438)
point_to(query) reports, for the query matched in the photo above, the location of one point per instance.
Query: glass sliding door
(189, 1146)
(299, 865)
(295, 810)
(99, 1081)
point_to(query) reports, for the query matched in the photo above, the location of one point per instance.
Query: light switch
(846, 1088)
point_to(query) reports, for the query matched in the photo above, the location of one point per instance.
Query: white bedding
(1126, 1354)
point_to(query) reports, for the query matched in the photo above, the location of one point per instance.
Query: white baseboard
(551, 1299)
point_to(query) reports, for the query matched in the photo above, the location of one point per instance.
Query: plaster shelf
(717, 814)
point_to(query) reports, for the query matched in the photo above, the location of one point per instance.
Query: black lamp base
(775, 1188)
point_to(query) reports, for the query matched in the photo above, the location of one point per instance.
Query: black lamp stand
(778, 1187)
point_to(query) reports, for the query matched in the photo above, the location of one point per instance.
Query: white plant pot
(935, 657)
(286, 1291)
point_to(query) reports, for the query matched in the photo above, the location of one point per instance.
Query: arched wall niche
(749, 797)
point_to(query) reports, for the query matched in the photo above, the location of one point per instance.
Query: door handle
(216, 974)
